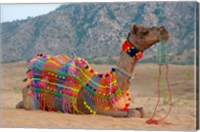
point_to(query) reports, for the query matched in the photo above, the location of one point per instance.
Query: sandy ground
(143, 90)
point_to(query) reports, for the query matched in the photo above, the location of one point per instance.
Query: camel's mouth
(164, 35)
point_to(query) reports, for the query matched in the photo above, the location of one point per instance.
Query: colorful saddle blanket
(59, 78)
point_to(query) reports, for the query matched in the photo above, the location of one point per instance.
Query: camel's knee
(141, 110)
(136, 112)
(20, 105)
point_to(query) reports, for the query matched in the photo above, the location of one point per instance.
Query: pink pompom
(45, 56)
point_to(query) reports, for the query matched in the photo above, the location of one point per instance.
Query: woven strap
(131, 50)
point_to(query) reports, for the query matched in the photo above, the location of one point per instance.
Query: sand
(143, 91)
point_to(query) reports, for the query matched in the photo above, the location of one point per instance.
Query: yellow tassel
(26, 103)
(95, 73)
(107, 108)
(79, 58)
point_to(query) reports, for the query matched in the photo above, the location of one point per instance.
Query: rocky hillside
(95, 30)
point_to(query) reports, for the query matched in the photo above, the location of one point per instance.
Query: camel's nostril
(141, 108)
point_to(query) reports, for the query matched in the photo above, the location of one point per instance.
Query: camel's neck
(126, 63)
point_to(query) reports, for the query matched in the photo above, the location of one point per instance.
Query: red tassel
(125, 109)
(127, 105)
(92, 71)
(152, 121)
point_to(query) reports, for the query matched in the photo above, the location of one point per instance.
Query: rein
(162, 59)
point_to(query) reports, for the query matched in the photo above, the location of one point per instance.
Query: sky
(10, 12)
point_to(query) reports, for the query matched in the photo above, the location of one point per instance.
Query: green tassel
(162, 53)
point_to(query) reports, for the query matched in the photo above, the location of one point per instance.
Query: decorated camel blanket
(60, 79)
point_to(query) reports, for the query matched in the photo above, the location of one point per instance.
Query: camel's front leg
(136, 112)
(133, 112)
(112, 113)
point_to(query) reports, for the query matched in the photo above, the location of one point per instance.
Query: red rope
(152, 120)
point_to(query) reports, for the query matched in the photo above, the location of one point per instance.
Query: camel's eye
(145, 32)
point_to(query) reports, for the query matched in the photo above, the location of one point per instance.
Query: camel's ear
(134, 28)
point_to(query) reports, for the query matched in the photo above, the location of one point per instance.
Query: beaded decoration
(124, 74)
(131, 50)
(59, 78)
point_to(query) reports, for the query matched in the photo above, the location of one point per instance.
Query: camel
(58, 83)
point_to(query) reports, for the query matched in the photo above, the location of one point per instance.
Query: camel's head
(144, 37)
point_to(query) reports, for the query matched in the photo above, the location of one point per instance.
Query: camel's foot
(136, 112)
(20, 105)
